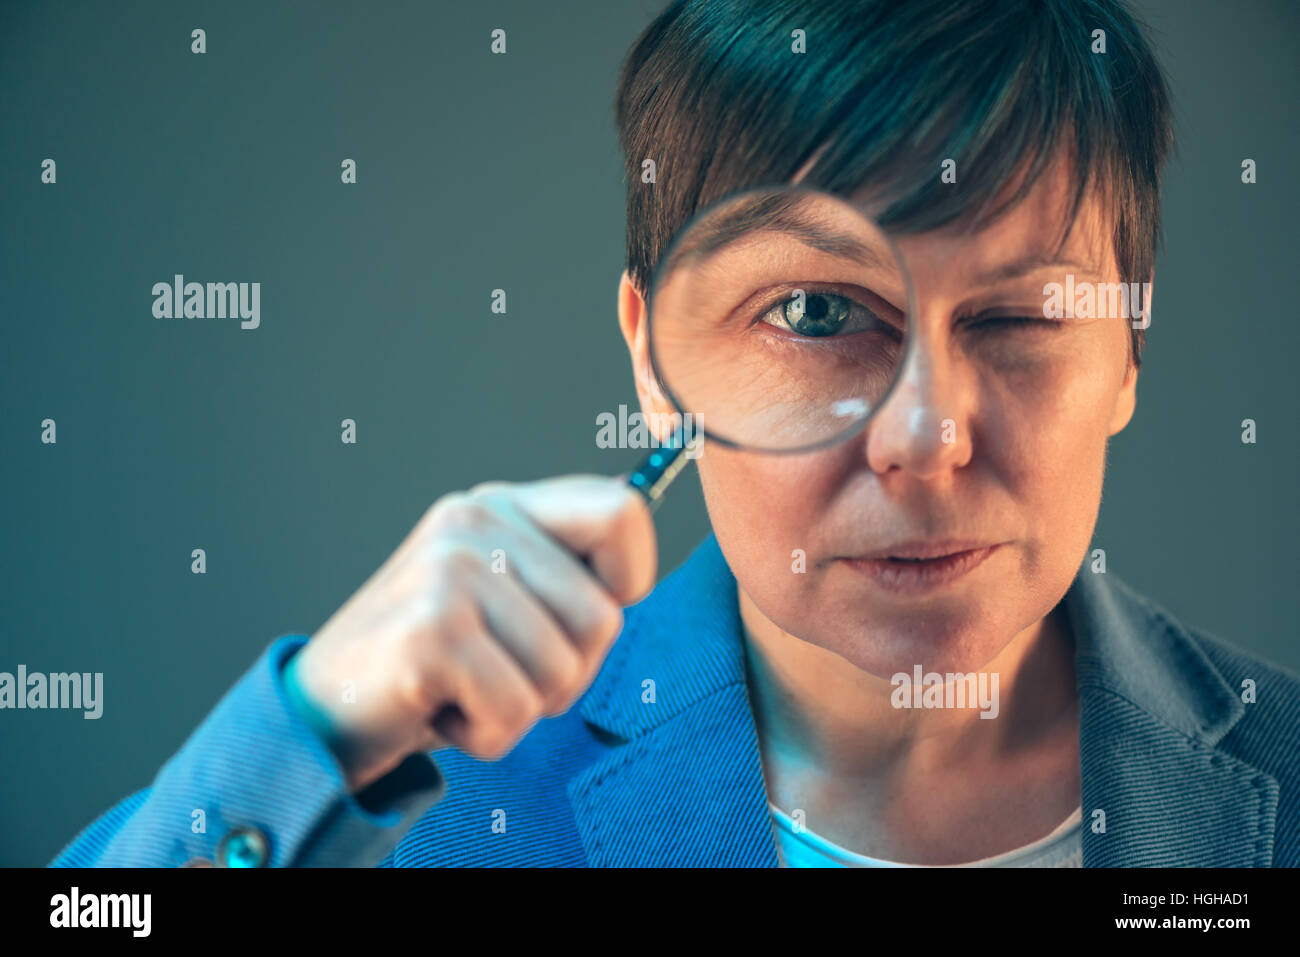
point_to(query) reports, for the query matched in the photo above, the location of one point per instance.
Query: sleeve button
(243, 847)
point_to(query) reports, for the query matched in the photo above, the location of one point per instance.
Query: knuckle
(598, 625)
(461, 511)
(495, 742)
(492, 491)
(606, 622)
(455, 561)
(483, 741)
(531, 705)
(568, 682)
(417, 688)
(444, 507)
(527, 706)
(492, 500)
(575, 678)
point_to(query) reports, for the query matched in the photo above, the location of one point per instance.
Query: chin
(942, 638)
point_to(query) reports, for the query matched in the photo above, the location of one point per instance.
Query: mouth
(921, 566)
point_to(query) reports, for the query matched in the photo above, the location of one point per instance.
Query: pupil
(822, 314)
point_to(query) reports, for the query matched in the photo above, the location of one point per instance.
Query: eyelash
(1011, 321)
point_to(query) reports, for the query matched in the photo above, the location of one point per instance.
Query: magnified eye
(812, 314)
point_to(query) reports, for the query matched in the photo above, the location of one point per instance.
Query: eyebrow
(770, 213)
(780, 213)
(1028, 265)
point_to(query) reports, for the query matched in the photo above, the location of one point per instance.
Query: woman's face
(994, 434)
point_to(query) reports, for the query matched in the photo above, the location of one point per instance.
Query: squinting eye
(994, 323)
(819, 314)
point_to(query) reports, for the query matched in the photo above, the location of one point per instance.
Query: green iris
(816, 314)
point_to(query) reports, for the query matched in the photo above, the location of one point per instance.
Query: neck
(815, 708)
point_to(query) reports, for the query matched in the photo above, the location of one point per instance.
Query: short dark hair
(712, 92)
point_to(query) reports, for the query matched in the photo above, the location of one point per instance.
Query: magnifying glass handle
(661, 466)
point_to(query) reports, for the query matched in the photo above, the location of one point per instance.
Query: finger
(599, 518)
(496, 700)
(586, 612)
(527, 630)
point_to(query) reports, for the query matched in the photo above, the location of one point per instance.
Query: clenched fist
(498, 608)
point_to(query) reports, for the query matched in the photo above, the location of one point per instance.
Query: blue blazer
(1185, 771)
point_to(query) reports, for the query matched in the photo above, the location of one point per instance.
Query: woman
(485, 698)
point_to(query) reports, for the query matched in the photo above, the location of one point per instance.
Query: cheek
(763, 507)
(1046, 427)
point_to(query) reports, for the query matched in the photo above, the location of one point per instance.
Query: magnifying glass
(778, 323)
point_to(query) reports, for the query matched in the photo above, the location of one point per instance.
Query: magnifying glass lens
(778, 319)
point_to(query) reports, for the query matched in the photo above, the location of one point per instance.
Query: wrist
(318, 719)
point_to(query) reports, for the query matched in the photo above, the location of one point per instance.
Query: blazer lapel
(1156, 792)
(684, 784)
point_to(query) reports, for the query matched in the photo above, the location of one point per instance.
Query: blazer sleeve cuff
(254, 763)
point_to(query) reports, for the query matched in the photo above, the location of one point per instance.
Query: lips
(925, 549)
(921, 566)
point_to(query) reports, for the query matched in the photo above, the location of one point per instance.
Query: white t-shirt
(802, 848)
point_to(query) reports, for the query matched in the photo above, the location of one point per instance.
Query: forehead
(1036, 229)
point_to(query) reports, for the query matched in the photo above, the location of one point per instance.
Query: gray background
(475, 172)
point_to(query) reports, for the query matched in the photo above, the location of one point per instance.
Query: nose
(923, 427)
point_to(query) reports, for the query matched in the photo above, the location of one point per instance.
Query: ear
(632, 320)
(1126, 401)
